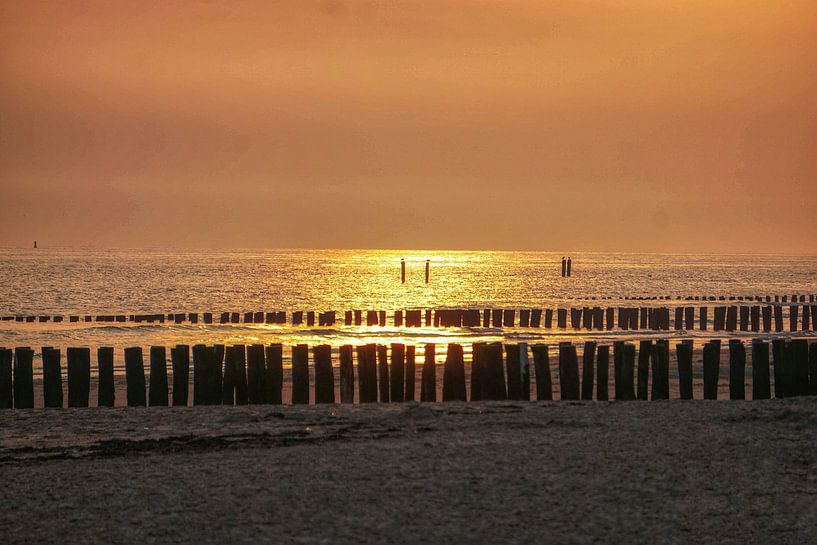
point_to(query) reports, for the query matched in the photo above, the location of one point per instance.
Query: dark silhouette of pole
(428, 267)
(402, 271)
(568, 266)
(564, 267)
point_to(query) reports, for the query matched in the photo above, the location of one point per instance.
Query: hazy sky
(554, 125)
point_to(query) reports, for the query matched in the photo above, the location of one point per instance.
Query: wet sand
(558, 472)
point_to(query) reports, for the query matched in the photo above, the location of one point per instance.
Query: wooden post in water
(383, 373)
(702, 322)
(602, 373)
(398, 372)
(801, 366)
(402, 271)
(524, 367)
(23, 378)
(428, 272)
(779, 363)
(541, 367)
(744, 318)
(660, 370)
(78, 364)
(812, 366)
(683, 352)
(712, 358)
(157, 387)
(256, 374)
(324, 376)
(793, 311)
(228, 385)
(731, 318)
(410, 370)
(274, 375)
(494, 373)
(52, 378)
(428, 379)
(760, 370)
(548, 318)
(568, 371)
(300, 374)
(367, 373)
(241, 387)
(6, 381)
(689, 318)
(215, 366)
(135, 377)
(737, 369)
(454, 374)
(512, 366)
(767, 318)
(643, 373)
(201, 375)
(588, 356)
(180, 363)
(561, 318)
(778, 318)
(627, 372)
(106, 392)
(347, 374)
(478, 371)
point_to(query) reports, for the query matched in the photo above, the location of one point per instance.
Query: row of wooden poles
(724, 318)
(254, 374)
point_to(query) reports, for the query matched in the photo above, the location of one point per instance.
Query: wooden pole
(711, 357)
(215, 366)
(230, 377)
(256, 374)
(568, 371)
(793, 311)
(428, 266)
(454, 374)
(157, 387)
(478, 371)
(801, 366)
(402, 271)
(23, 378)
(602, 373)
(180, 363)
(513, 370)
(6, 381)
(300, 375)
(428, 379)
(495, 386)
(201, 375)
(627, 372)
(702, 319)
(367, 373)
(397, 373)
(78, 364)
(812, 364)
(524, 367)
(588, 356)
(643, 373)
(779, 363)
(135, 377)
(737, 369)
(683, 352)
(106, 392)
(761, 388)
(347, 374)
(324, 375)
(541, 368)
(52, 378)
(274, 379)
(383, 373)
(409, 372)
(660, 370)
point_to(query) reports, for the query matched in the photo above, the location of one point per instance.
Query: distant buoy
(35, 244)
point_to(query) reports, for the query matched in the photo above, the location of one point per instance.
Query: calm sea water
(82, 281)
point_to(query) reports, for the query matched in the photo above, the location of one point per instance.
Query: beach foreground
(557, 472)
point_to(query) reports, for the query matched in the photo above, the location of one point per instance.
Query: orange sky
(563, 125)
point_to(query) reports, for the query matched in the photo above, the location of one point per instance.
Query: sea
(82, 281)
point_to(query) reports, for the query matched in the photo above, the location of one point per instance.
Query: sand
(558, 472)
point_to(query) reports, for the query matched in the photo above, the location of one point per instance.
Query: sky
(562, 125)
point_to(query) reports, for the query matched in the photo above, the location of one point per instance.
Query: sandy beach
(557, 472)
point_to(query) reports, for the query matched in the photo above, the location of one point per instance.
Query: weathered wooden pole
(561, 318)
(660, 370)
(23, 378)
(536, 317)
(135, 377)
(568, 371)
(689, 318)
(812, 365)
(702, 319)
(324, 376)
(367, 373)
(383, 373)
(230, 377)
(683, 352)
(201, 375)
(495, 385)
(737, 369)
(402, 271)
(52, 378)
(347, 374)
(801, 366)
(256, 374)
(454, 374)
(588, 355)
(541, 368)
(215, 366)
(602, 373)
(712, 358)
(548, 318)
(627, 372)
(643, 373)
(106, 392)
(793, 313)
(761, 388)
(778, 318)
(157, 386)
(274, 379)
(428, 271)
(779, 363)
(180, 363)
(397, 373)
(6, 380)
(410, 370)
(524, 368)
(300, 374)
(524, 318)
(513, 370)
(428, 378)
(478, 371)
(731, 318)
(78, 364)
